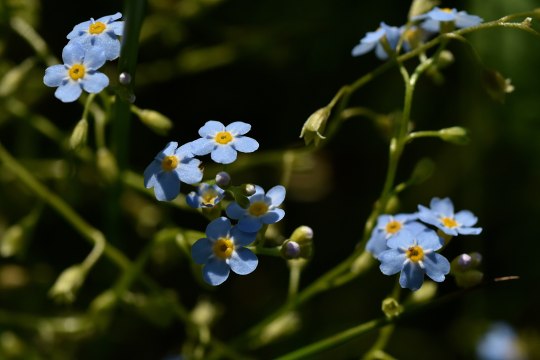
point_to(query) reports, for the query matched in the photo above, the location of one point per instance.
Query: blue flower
(374, 40)
(206, 196)
(102, 33)
(223, 142)
(388, 226)
(262, 209)
(223, 249)
(414, 255)
(441, 214)
(500, 343)
(437, 16)
(170, 167)
(78, 73)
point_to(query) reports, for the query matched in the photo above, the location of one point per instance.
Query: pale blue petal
(391, 261)
(94, 83)
(235, 211)
(55, 75)
(184, 151)
(202, 146)
(215, 272)
(79, 29)
(109, 18)
(210, 128)
(415, 227)
(465, 218)
(249, 224)
(436, 266)
(277, 195)
(109, 43)
(374, 36)
(94, 58)
(440, 15)
(150, 174)
(464, 20)
(238, 128)
(380, 52)
(376, 243)
(73, 53)
(243, 261)
(412, 277)
(245, 144)
(383, 220)
(219, 227)
(406, 217)
(431, 25)
(202, 250)
(193, 200)
(190, 173)
(363, 48)
(68, 92)
(442, 207)
(116, 27)
(272, 216)
(469, 231)
(166, 186)
(224, 154)
(242, 238)
(169, 150)
(429, 240)
(402, 240)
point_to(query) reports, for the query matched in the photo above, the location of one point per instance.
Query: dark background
(271, 64)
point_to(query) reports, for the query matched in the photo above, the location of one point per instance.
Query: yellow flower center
(223, 248)
(393, 227)
(77, 71)
(223, 137)
(446, 10)
(209, 197)
(258, 208)
(169, 163)
(449, 222)
(96, 28)
(415, 253)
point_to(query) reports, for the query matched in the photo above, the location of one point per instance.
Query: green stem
(27, 32)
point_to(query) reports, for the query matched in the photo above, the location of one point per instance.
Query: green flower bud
(464, 269)
(106, 164)
(315, 125)
(79, 134)
(156, 121)
(104, 302)
(456, 135)
(68, 283)
(391, 308)
(14, 77)
(282, 326)
(302, 234)
(12, 241)
(496, 85)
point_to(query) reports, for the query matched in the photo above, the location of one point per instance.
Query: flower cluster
(386, 38)
(405, 243)
(91, 44)
(224, 247)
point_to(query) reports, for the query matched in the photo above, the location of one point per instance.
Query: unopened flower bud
(464, 268)
(249, 189)
(12, 241)
(315, 125)
(290, 250)
(223, 179)
(78, 136)
(104, 302)
(456, 135)
(156, 121)
(391, 308)
(68, 283)
(106, 164)
(12, 79)
(124, 78)
(302, 234)
(300, 244)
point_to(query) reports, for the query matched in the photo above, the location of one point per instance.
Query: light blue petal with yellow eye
(412, 276)
(429, 240)
(202, 146)
(202, 250)
(245, 144)
(215, 272)
(224, 154)
(94, 83)
(166, 186)
(73, 53)
(465, 218)
(436, 266)
(238, 128)
(391, 261)
(376, 243)
(189, 172)
(219, 227)
(55, 75)
(150, 174)
(109, 18)
(277, 195)
(442, 207)
(79, 29)
(440, 15)
(193, 200)
(243, 261)
(402, 240)
(210, 128)
(249, 224)
(68, 92)
(235, 211)
(272, 216)
(242, 238)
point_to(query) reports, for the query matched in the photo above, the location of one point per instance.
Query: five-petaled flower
(78, 73)
(224, 142)
(102, 33)
(441, 214)
(171, 166)
(206, 196)
(384, 39)
(414, 255)
(388, 226)
(223, 249)
(437, 17)
(262, 209)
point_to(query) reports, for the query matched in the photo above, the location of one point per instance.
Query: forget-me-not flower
(102, 33)
(414, 255)
(206, 196)
(223, 249)
(500, 343)
(78, 73)
(171, 166)
(436, 17)
(374, 40)
(262, 209)
(388, 226)
(441, 214)
(224, 142)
